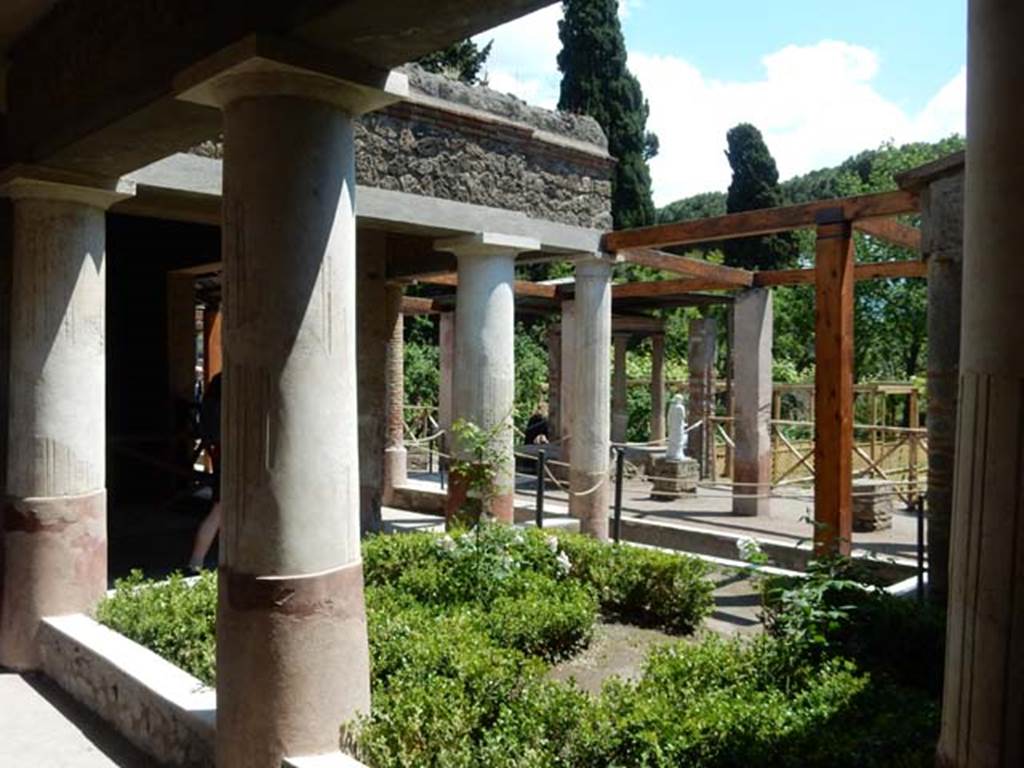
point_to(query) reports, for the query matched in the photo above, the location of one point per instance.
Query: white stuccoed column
(657, 388)
(395, 453)
(446, 353)
(554, 344)
(701, 362)
(567, 385)
(483, 387)
(620, 390)
(752, 376)
(55, 516)
(292, 654)
(588, 474)
(983, 689)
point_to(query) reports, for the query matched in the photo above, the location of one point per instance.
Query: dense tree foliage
(890, 339)
(460, 61)
(755, 185)
(596, 82)
(889, 333)
(699, 206)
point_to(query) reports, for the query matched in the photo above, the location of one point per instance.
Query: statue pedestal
(872, 505)
(674, 478)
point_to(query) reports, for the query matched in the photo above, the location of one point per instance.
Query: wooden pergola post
(213, 355)
(833, 378)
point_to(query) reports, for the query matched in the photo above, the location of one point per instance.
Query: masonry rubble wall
(474, 145)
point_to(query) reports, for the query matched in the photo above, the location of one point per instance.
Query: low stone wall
(161, 709)
(158, 707)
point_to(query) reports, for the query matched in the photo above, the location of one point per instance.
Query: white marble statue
(676, 450)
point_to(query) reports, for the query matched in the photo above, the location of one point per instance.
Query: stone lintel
(22, 181)
(265, 65)
(487, 243)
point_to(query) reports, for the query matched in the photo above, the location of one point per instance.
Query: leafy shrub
(544, 620)
(832, 612)
(172, 618)
(643, 586)
(725, 704)
(513, 579)
(462, 629)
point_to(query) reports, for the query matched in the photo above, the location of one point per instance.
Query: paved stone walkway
(788, 520)
(42, 727)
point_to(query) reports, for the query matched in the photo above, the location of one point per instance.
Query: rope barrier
(416, 441)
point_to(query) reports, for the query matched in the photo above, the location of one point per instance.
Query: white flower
(564, 563)
(749, 549)
(552, 543)
(517, 537)
(447, 543)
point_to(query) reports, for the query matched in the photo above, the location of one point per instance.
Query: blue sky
(821, 79)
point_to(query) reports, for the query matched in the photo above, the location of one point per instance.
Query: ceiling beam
(520, 287)
(417, 305)
(762, 222)
(667, 288)
(863, 271)
(684, 265)
(892, 232)
(677, 288)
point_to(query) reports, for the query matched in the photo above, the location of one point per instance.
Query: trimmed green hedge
(173, 618)
(463, 630)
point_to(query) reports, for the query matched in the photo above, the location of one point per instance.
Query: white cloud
(523, 60)
(815, 104)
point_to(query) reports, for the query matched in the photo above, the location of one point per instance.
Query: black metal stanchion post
(540, 488)
(620, 464)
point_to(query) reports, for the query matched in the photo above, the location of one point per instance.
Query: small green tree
(755, 185)
(596, 82)
(475, 467)
(462, 61)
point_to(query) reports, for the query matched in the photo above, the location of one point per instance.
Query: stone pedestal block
(872, 505)
(674, 478)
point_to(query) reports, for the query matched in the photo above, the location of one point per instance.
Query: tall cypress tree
(459, 61)
(596, 82)
(755, 185)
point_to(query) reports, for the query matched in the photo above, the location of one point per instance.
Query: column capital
(34, 182)
(264, 65)
(597, 265)
(486, 244)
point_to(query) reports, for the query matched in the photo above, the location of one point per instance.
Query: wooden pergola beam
(891, 231)
(864, 271)
(520, 287)
(417, 305)
(667, 288)
(684, 265)
(763, 222)
(766, 279)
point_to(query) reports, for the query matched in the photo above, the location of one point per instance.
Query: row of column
(560, 392)
(54, 520)
(478, 381)
(292, 651)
